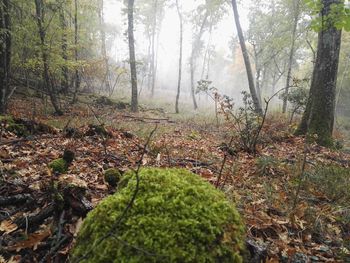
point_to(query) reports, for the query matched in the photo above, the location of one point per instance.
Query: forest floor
(311, 226)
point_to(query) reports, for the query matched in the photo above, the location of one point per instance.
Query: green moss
(176, 217)
(18, 129)
(112, 176)
(6, 119)
(12, 126)
(59, 166)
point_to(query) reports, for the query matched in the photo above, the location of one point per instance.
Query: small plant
(333, 181)
(297, 97)
(245, 121)
(266, 165)
(204, 86)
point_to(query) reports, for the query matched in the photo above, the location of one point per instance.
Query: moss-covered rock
(112, 176)
(176, 217)
(58, 166)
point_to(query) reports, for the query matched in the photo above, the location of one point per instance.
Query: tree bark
(40, 15)
(134, 99)
(257, 105)
(153, 54)
(5, 54)
(296, 10)
(103, 48)
(180, 58)
(194, 54)
(318, 118)
(76, 53)
(64, 45)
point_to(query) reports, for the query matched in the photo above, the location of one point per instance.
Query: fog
(223, 67)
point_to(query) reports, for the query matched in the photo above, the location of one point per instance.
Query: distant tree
(5, 54)
(132, 59)
(106, 79)
(248, 66)
(49, 85)
(296, 15)
(180, 57)
(64, 46)
(150, 14)
(318, 118)
(194, 54)
(205, 17)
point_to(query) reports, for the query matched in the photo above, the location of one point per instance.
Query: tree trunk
(134, 102)
(206, 59)
(296, 10)
(258, 84)
(103, 47)
(64, 81)
(153, 50)
(248, 66)
(194, 54)
(76, 54)
(40, 15)
(318, 118)
(180, 58)
(5, 54)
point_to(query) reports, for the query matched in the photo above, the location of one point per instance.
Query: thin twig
(223, 164)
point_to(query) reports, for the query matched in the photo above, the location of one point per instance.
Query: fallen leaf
(32, 242)
(8, 227)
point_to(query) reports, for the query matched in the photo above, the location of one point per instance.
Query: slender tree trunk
(64, 45)
(5, 54)
(180, 58)
(40, 15)
(258, 84)
(258, 72)
(248, 66)
(296, 10)
(149, 62)
(76, 53)
(134, 100)
(206, 59)
(103, 47)
(153, 50)
(318, 117)
(194, 54)
(345, 73)
(154, 77)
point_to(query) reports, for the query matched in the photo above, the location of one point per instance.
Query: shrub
(245, 121)
(176, 217)
(266, 165)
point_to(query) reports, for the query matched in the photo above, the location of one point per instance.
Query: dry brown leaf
(32, 242)
(8, 226)
(14, 259)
